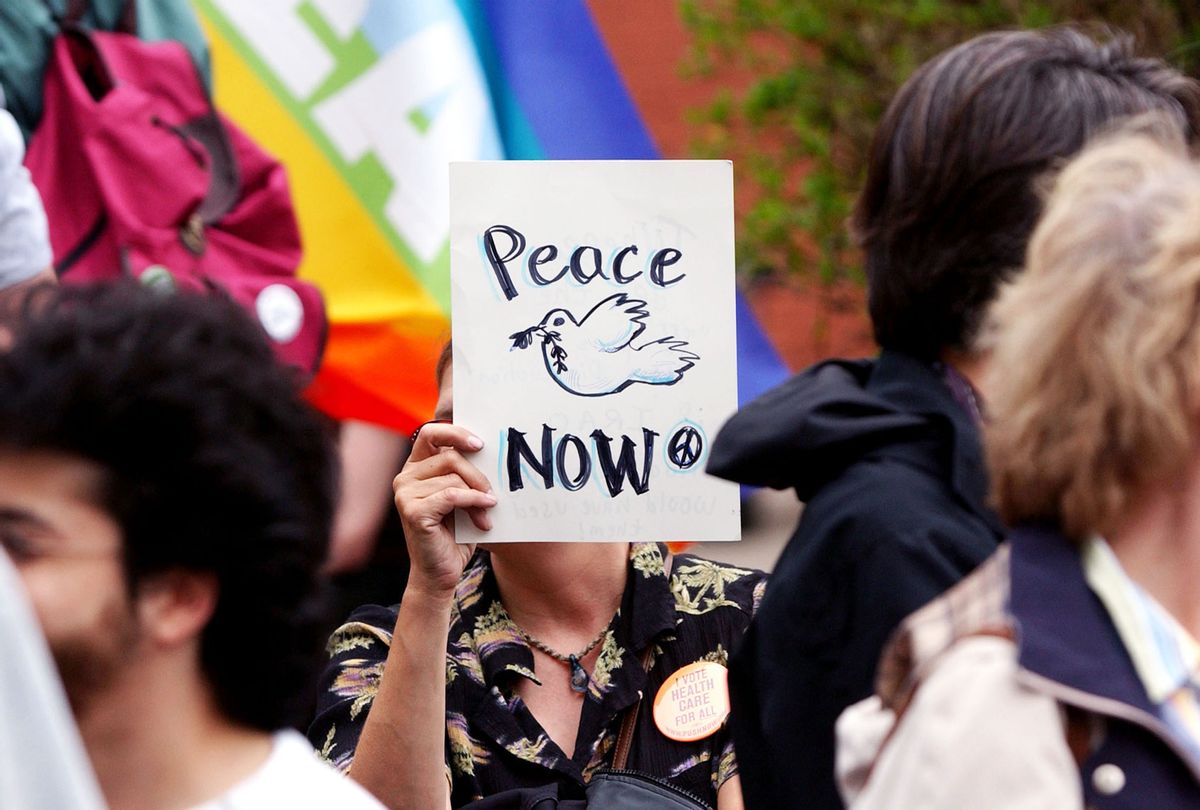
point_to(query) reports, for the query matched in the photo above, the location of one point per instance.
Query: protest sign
(594, 345)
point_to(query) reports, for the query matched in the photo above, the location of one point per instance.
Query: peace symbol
(685, 447)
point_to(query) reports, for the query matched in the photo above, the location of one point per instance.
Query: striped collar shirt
(1165, 655)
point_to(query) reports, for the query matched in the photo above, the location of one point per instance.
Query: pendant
(579, 676)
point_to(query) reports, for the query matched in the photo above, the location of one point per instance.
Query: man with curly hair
(166, 497)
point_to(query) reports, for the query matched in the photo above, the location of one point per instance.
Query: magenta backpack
(142, 177)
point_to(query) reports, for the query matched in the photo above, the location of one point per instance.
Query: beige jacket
(972, 738)
(1013, 690)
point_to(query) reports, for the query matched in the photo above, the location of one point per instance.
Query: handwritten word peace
(586, 262)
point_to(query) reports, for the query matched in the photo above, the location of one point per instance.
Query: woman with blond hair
(1063, 672)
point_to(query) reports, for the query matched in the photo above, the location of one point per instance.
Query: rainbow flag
(366, 102)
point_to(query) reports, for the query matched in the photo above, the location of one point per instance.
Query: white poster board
(595, 345)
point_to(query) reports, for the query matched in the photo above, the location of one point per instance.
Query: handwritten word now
(552, 459)
(568, 462)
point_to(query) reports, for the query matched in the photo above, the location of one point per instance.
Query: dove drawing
(594, 356)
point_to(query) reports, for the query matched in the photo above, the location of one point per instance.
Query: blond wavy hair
(1094, 382)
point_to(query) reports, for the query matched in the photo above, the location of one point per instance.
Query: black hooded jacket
(892, 475)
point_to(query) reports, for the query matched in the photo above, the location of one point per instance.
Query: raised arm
(401, 753)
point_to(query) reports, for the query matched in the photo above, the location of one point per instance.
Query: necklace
(579, 676)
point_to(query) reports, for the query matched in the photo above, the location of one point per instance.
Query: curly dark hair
(211, 462)
(950, 197)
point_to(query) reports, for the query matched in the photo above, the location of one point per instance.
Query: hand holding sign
(436, 480)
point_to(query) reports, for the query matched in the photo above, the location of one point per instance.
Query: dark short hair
(443, 362)
(950, 198)
(210, 462)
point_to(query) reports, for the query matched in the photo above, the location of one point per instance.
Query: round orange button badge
(693, 702)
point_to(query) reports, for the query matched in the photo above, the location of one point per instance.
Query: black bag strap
(75, 10)
(629, 724)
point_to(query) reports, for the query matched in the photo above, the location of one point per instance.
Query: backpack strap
(75, 10)
(629, 724)
(976, 607)
(1083, 732)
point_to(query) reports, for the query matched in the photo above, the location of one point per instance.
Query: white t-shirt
(24, 239)
(293, 778)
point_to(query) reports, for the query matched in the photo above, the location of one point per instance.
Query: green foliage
(806, 80)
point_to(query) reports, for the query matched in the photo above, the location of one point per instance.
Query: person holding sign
(513, 671)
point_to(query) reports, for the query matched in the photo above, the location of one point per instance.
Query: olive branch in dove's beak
(524, 339)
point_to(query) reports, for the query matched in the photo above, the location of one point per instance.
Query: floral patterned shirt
(493, 742)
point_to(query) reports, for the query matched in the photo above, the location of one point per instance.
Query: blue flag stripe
(562, 76)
